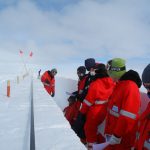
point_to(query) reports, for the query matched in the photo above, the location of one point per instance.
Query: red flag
(31, 54)
(21, 52)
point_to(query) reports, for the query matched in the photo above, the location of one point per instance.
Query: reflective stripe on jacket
(143, 138)
(98, 93)
(123, 111)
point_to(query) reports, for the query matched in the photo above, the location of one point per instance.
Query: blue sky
(64, 32)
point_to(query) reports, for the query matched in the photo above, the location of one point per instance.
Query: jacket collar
(133, 76)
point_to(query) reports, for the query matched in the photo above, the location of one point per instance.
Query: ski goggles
(109, 67)
(118, 68)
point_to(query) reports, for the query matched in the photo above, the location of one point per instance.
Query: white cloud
(112, 25)
(100, 29)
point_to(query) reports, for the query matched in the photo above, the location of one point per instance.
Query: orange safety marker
(8, 88)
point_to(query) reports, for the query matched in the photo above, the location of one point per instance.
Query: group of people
(110, 93)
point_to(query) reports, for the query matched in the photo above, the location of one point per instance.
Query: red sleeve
(43, 77)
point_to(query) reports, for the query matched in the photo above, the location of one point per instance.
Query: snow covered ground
(52, 131)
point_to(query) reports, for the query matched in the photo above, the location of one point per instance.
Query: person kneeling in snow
(48, 80)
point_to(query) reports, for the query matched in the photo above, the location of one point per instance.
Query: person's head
(81, 71)
(71, 99)
(146, 79)
(100, 68)
(89, 63)
(116, 68)
(53, 71)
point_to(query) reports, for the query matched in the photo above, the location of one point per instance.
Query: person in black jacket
(89, 65)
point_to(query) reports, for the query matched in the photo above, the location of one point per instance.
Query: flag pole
(30, 56)
(25, 67)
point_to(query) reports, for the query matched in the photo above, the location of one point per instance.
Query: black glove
(53, 94)
(75, 93)
(78, 125)
(82, 96)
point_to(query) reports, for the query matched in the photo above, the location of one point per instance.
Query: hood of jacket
(100, 75)
(133, 76)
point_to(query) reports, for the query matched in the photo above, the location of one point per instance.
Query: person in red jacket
(78, 125)
(48, 80)
(143, 138)
(89, 65)
(94, 106)
(123, 108)
(71, 111)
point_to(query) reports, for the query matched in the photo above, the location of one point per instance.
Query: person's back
(123, 108)
(95, 103)
(71, 111)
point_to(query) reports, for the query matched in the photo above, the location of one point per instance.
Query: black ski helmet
(146, 75)
(81, 70)
(89, 63)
